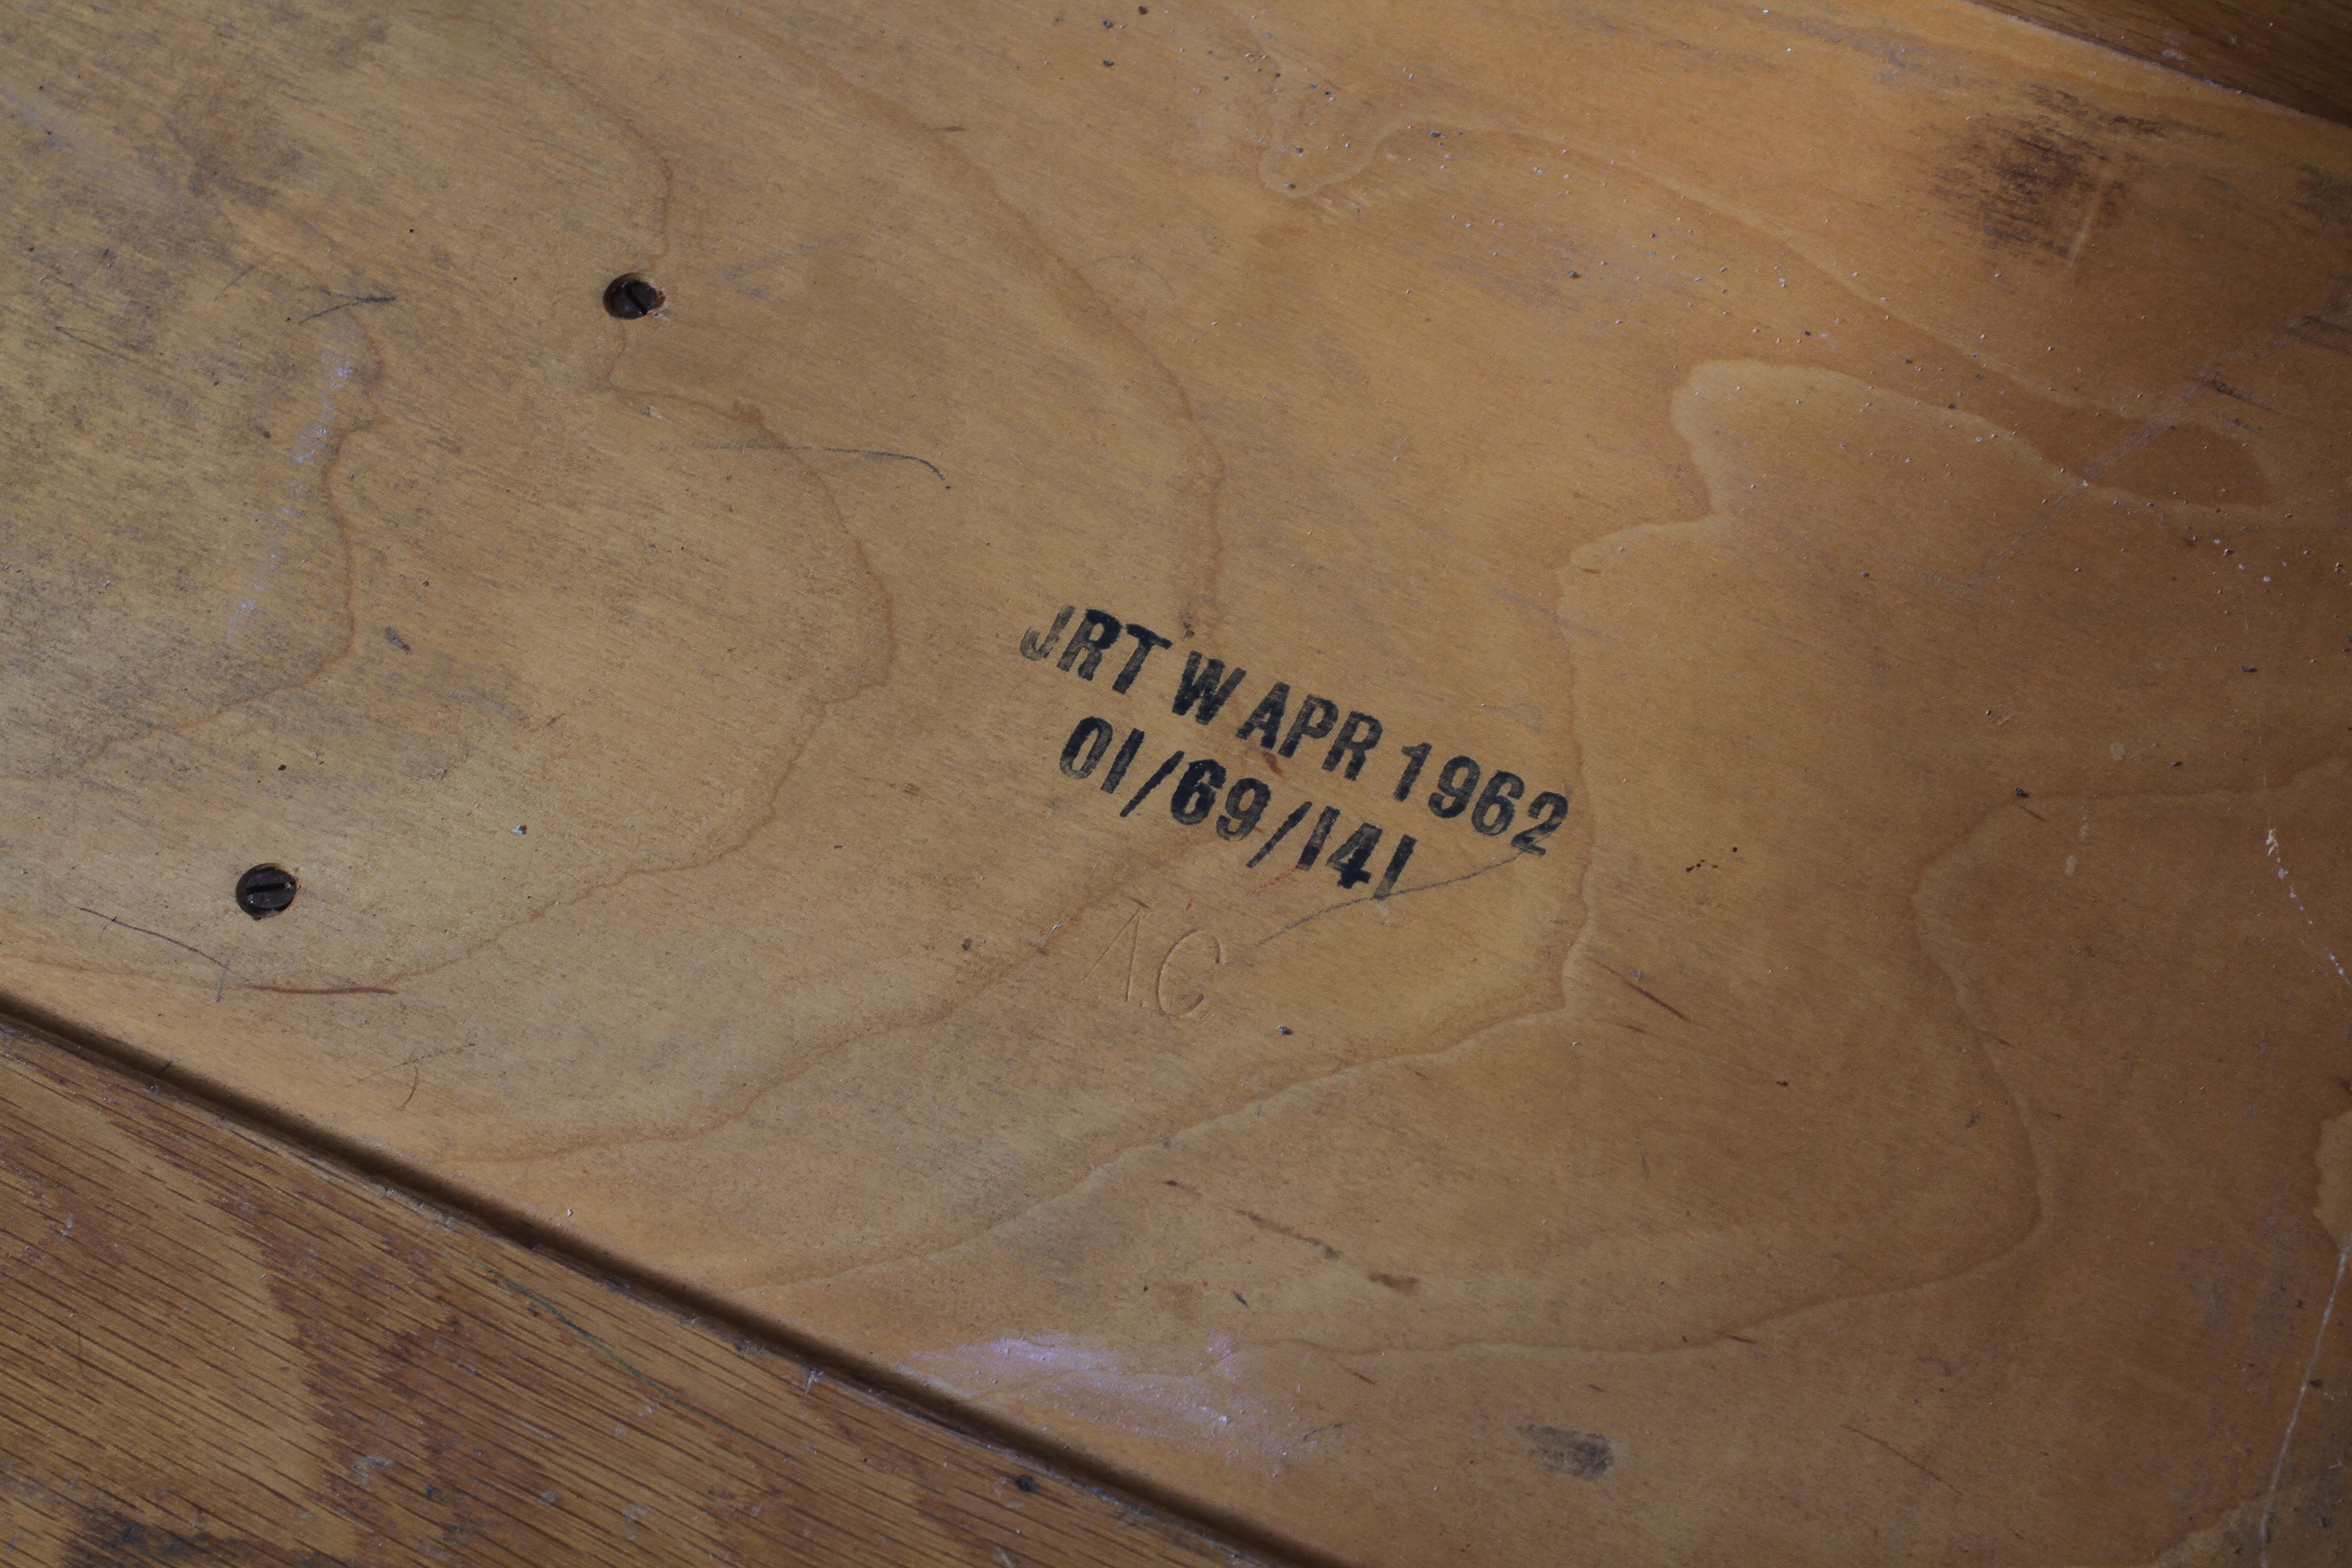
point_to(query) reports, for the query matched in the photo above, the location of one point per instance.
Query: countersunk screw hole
(630, 296)
(264, 891)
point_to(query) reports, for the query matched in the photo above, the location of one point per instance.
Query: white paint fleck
(2270, 845)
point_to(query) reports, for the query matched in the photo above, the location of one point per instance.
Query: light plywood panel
(1883, 471)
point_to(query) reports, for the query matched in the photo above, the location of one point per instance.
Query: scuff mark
(1902, 1455)
(1108, 1387)
(346, 304)
(1654, 997)
(2270, 844)
(1586, 1456)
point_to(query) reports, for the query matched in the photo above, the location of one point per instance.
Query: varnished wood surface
(216, 1347)
(2295, 52)
(1882, 467)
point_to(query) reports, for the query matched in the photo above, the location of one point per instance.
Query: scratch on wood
(159, 936)
(345, 304)
(2278, 1465)
(842, 451)
(1368, 898)
(1904, 1456)
(1661, 1001)
(88, 344)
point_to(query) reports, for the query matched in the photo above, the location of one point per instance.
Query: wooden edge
(2298, 53)
(244, 1289)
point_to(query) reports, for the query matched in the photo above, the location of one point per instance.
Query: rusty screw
(264, 891)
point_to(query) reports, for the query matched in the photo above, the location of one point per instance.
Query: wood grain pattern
(2295, 52)
(1884, 467)
(217, 1348)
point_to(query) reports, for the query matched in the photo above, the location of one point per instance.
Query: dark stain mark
(1358, 1377)
(2321, 331)
(1024, 1483)
(2031, 186)
(1902, 1455)
(1586, 1456)
(105, 1539)
(1741, 1338)
(2327, 195)
(346, 304)
(1277, 1226)
(396, 640)
(2226, 390)
(1405, 1283)
(1661, 1001)
(1242, 1298)
(1280, 1229)
(2043, 181)
(2060, 102)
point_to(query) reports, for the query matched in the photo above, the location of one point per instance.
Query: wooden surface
(2295, 52)
(216, 1348)
(1884, 468)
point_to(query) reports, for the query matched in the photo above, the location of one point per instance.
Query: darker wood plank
(2295, 52)
(216, 1346)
